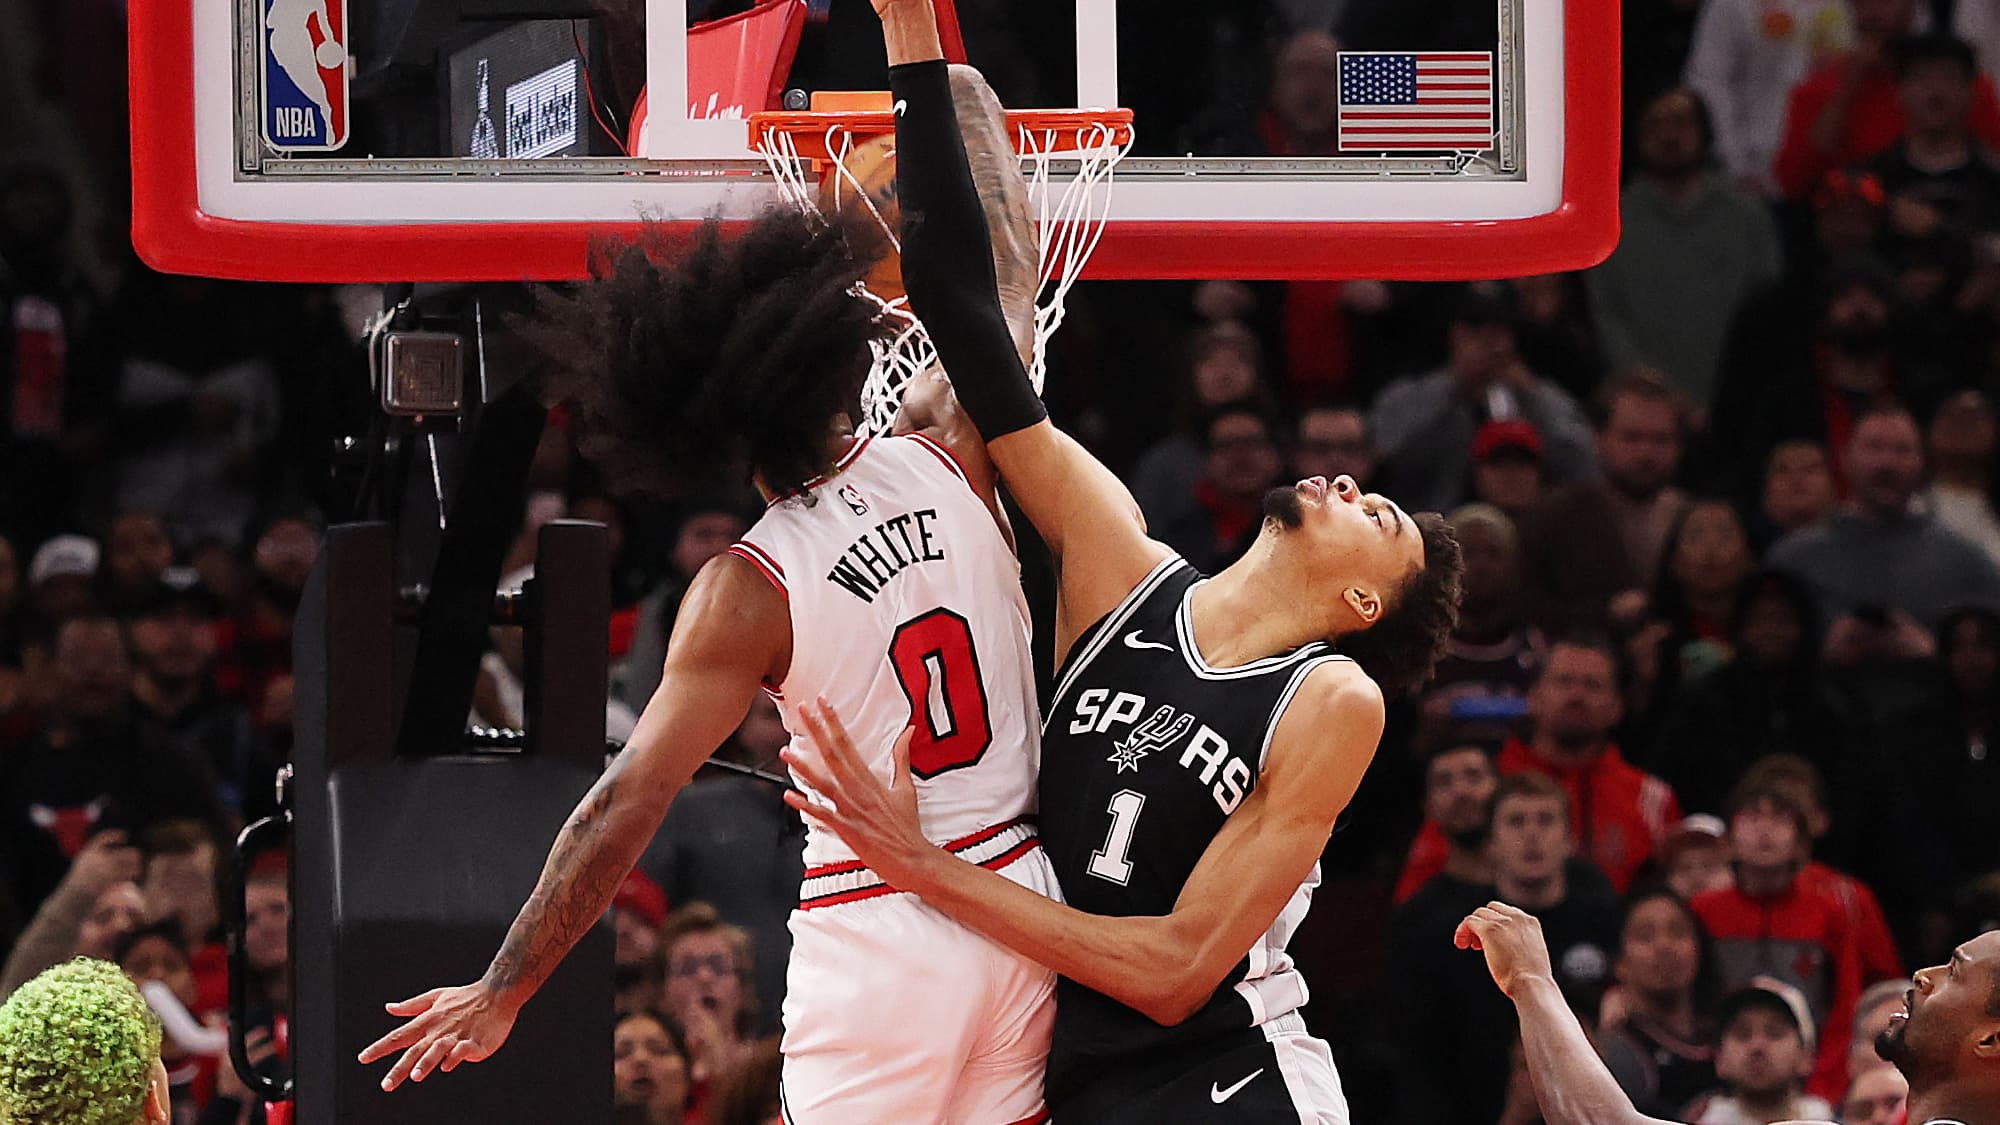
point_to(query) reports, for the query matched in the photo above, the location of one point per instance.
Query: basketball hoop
(1068, 158)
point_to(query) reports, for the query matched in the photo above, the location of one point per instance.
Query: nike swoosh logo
(1132, 641)
(901, 105)
(1218, 1095)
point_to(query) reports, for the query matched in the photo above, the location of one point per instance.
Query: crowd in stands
(1722, 710)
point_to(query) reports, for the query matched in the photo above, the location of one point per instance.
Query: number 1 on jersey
(939, 672)
(1110, 862)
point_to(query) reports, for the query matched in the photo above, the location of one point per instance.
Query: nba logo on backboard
(305, 74)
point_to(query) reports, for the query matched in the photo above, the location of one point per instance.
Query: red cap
(1507, 433)
(642, 897)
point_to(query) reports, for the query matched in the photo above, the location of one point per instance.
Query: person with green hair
(79, 1046)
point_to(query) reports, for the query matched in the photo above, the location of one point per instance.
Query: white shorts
(896, 1015)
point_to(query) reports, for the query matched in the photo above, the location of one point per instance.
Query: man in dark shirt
(89, 766)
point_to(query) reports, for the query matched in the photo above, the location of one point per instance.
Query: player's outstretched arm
(1075, 503)
(1165, 967)
(1571, 1082)
(733, 630)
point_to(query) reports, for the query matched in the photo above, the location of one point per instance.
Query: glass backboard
(365, 140)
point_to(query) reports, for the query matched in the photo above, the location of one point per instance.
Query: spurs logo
(1160, 730)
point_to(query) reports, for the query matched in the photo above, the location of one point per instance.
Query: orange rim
(814, 134)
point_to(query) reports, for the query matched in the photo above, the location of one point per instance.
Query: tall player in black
(1205, 735)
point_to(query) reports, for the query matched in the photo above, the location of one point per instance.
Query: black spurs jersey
(1146, 751)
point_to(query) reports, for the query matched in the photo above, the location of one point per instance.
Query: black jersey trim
(1095, 638)
(1184, 626)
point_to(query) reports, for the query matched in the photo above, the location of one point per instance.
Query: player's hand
(879, 822)
(1512, 941)
(446, 1026)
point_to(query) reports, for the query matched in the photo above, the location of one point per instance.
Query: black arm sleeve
(948, 256)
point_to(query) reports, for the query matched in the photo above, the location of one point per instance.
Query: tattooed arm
(733, 630)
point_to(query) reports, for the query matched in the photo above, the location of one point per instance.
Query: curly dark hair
(1403, 647)
(692, 360)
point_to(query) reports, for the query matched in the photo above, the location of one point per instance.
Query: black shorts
(1247, 1078)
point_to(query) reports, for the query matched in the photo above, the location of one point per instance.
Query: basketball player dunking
(1205, 733)
(880, 578)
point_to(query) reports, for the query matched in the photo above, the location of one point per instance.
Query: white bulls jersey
(907, 609)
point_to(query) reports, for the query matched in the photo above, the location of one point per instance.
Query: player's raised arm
(1163, 966)
(1572, 1084)
(1074, 501)
(723, 645)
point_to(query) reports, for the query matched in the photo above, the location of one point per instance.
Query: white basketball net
(1071, 209)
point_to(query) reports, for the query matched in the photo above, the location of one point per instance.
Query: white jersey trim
(1297, 681)
(1184, 625)
(1113, 621)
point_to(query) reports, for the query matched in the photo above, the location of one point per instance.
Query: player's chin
(1286, 506)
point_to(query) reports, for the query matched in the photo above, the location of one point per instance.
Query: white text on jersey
(1097, 710)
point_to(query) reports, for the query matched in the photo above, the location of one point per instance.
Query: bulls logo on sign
(305, 74)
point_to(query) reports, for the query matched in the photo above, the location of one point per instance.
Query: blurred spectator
(1225, 368)
(710, 993)
(732, 843)
(1798, 489)
(1333, 441)
(1619, 813)
(1872, 1014)
(1958, 772)
(1555, 331)
(172, 633)
(1480, 688)
(1695, 859)
(1447, 866)
(1979, 25)
(752, 1095)
(1685, 630)
(1530, 846)
(1965, 468)
(637, 913)
(1885, 557)
(1849, 108)
(1660, 1049)
(159, 953)
(706, 530)
(10, 603)
(267, 940)
(97, 902)
(88, 767)
(1747, 56)
(649, 1060)
(1813, 385)
(53, 366)
(1507, 469)
(136, 550)
(1807, 788)
(1876, 1097)
(1424, 425)
(640, 986)
(1575, 572)
(61, 577)
(254, 649)
(1775, 923)
(1241, 463)
(1765, 1053)
(1938, 178)
(181, 888)
(1693, 247)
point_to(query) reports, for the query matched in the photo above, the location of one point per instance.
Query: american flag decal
(1416, 101)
